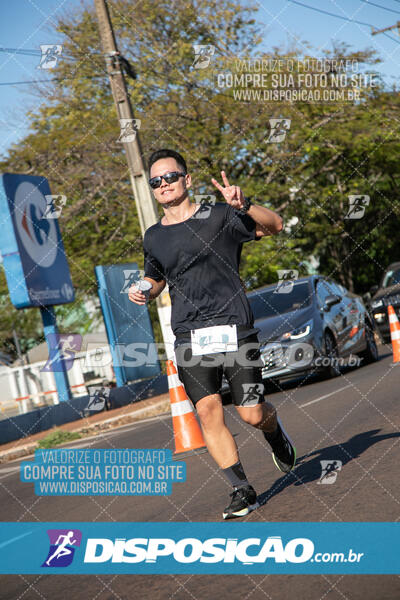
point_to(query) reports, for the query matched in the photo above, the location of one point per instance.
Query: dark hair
(166, 153)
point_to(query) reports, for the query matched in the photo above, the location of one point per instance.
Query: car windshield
(391, 278)
(274, 301)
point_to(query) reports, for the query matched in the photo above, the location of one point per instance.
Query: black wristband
(246, 206)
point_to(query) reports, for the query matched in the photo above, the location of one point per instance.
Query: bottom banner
(209, 548)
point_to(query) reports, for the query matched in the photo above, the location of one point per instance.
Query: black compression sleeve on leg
(236, 475)
(271, 437)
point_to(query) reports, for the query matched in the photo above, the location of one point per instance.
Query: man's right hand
(141, 298)
(136, 295)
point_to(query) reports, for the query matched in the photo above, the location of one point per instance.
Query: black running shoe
(283, 451)
(244, 500)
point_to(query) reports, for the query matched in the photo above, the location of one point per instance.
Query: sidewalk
(97, 422)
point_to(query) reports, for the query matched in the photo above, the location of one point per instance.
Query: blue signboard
(128, 325)
(34, 259)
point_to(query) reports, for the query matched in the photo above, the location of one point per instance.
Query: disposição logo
(63, 543)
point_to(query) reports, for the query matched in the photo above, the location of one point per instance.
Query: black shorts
(202, 375)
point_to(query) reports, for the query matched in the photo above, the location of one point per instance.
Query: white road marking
(8, 471)
(325, 396)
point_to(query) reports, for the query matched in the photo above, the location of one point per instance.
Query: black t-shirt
(199, 258)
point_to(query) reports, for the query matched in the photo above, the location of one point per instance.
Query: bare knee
(253, 416)
(210, 412)
(260, 416)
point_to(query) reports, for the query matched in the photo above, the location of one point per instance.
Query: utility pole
(397, 26)
(145, 203)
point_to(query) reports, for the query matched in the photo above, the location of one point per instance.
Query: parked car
(310, 328)
(387, 292)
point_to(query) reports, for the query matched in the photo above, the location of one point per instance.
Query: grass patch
(58, 436)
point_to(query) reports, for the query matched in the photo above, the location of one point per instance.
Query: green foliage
(27, 322)
(57, 437)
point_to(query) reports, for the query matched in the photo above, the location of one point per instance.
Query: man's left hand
(232, 193)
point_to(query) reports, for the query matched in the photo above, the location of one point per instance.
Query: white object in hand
(143, 286)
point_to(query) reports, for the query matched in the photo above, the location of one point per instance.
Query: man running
(62, 550)
(197, 252)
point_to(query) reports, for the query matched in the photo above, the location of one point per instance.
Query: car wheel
(371, 353)
(332, 353)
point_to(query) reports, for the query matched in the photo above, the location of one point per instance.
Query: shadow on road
(308, 467)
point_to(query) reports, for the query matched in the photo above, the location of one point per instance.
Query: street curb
(137, 415)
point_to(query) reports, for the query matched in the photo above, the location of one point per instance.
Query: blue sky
(25, 24)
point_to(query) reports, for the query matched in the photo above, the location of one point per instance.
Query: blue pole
(60, 374)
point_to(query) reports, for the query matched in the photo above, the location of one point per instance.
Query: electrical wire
(343, 18)
(34, 53)
(19, 51)
(49, 80)
(380, 6)
(325, 12)
(23, 82)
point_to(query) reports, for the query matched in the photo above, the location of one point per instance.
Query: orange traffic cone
(187, 432)
(394, 333)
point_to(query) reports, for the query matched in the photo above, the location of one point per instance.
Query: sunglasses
(171, 177)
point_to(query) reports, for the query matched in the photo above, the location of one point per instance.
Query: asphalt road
(353, 418)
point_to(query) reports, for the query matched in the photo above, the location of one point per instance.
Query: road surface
(353, 418)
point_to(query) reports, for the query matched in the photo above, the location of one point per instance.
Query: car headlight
(299, 332)
(379, 316)
(376, 304)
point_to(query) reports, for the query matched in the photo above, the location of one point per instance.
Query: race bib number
(219, 338)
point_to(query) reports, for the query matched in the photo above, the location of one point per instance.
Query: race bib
(219, 338)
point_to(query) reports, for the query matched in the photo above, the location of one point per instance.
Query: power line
(331, 14)
(341, 17)
(23, 82)
(126, 65)
(38, 53)
(49, 80)
(19, 51)
(380, 6)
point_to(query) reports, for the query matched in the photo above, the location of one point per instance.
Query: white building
(26, 387)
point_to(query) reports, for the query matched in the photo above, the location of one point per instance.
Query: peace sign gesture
(232, 193)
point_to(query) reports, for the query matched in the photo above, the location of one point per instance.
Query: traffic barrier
(187, 432)
(30, 396)
(394, 333)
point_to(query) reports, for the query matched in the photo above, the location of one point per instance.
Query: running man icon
(62, 550)
(330, 469)
(63, 348)
(50, 55)
(252, 393)
(62, 547)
